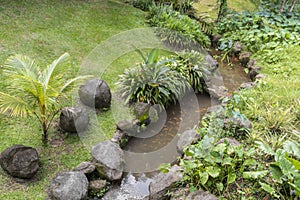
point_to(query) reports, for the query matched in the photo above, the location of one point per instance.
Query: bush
(264, 31)
(189, 66)
(152, 82)
(177, 30)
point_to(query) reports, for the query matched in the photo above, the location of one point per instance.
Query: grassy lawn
(209, 9)
(43, 30)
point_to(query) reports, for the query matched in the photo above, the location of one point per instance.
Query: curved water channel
(144, 155)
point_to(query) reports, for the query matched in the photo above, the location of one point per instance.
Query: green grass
(44, 30)
(209, 9)
(274, 106)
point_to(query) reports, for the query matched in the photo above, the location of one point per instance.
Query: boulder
(186, 139)
(73, 120)
(95, 93)
(109, 160)
(217, 110)
(67, 186)
(231, 141)
(86, 167)
(244, 58)
(162, 183)
(240, 122)
(218, 92)
(97, 185)
(20, 161)
(210, 64)
(237, 48)
(141, 111)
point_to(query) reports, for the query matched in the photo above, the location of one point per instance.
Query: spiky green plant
(34, 92)
(152, 82)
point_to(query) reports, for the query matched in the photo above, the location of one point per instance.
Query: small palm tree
(34, 92)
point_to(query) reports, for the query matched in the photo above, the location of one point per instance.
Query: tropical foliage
(189, 65)
(152, 82)
(264, 31)
(177, 30)
(34, 92)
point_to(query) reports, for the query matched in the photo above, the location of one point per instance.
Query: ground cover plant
(271, 145)
(43, 31)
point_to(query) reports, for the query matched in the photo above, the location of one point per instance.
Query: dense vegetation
(44, 30)
(265, 166)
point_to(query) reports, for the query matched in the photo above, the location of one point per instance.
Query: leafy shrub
(176, 29)
(152, 82)
(182, 6)
(223, 169)
(284, 169)
(263, 31)
(189, 65)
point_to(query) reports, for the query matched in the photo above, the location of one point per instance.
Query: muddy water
(143, 155)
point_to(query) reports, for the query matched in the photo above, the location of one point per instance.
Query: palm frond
(21, 65)
(67, 84)
(53, 69)
(14, 106)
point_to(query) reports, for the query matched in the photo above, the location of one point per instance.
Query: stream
(143, 155)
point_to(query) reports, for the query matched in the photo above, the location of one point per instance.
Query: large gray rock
(109, 160)
(73, 120)
(210, 63)
(162, 183)
(186, 139)
(68, 186)
(95, 93)
(86, 167)
(20, 161)
(218, 92)
(238, 122)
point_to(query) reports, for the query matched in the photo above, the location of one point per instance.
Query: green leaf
(231, 178)
(203, 177)
(296, 163)
(292, 148)
(287, 167)
(255, 174)
(276, 172)
(250, 162)
(213, 171)
(265, 148)
(268, 189)
(220, 186)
